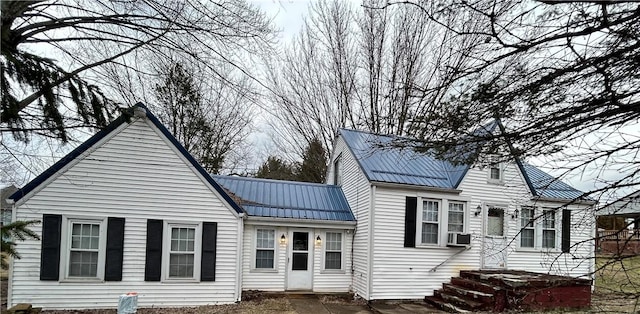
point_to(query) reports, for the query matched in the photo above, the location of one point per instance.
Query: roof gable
(288, 199)
(126, 117)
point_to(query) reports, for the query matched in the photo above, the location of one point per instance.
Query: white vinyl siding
(263, 279)
(357, 191)
(137, 175)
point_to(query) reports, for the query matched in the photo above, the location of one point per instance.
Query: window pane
(181, 265)
(549, 238)
(300, 241)
(182, 239)
(549, 221)
(430, 211)
(333, 260)
(526, 217)
(334, 241)
(456, 217)
(430, 233)
(300, 261)
(265, 238)
(83, 264)
(495, 172)
(495, 221)
(526, 238)
(264, 258)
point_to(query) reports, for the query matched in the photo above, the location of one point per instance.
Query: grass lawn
(617, 285)
(618, 275)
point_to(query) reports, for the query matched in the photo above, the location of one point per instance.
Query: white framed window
(538, 229)
(437, 217)
(430, 222)
(333, 251)
(549, 229)
(456, 216)
(337, 170)
(182, 251)
(496, 172)
(527, 232)
(85, 249)
(265, 248)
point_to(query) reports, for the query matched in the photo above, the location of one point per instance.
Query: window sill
(85, 280)
(495, 182)
(332, 271)
(537, 250)
(180, 280)
(433, 246)
(263, 270)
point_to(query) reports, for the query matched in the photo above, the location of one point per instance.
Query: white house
(131, 210)
(415, 215)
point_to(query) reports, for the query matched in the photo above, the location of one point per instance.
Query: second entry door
(299, 267)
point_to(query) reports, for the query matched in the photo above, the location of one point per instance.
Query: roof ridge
(273, 180)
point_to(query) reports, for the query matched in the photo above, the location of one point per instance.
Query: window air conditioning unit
(458, 239)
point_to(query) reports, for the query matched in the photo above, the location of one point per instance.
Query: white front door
(299, 267)
(494, 244)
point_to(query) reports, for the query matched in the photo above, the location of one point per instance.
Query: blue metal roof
(544, 185)
(383, 162)
(124, 118)
(288, 199)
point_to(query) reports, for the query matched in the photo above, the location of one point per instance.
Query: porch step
(473, 285)
(499, 290)
(468, 294)
(439, 303)
(460, 302)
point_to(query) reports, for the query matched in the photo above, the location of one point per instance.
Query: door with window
(494, 244)
(299, 268)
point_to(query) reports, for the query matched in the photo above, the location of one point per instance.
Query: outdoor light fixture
(318, 241)
(283, 239)
(515, 213)
(478, 211)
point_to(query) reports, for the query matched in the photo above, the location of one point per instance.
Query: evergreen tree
(17, 230)
(278, 169)
(314, 163)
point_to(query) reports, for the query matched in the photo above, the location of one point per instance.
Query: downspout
(370, 250)
(239, 257)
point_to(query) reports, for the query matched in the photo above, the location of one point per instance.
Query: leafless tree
(48, 96)
(365, 67)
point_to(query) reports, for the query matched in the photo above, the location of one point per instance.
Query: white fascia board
(304, 223)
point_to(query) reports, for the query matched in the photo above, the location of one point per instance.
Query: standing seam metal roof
(383, 162)
(288, 199)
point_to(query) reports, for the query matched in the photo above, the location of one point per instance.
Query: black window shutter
(209, 240)
(50, 249)
(115, 249)
(153, 259)
(411, 205)
(566, 230)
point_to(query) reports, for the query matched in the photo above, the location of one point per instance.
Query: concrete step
(439, 303)
(487, 299)
(459, 302)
